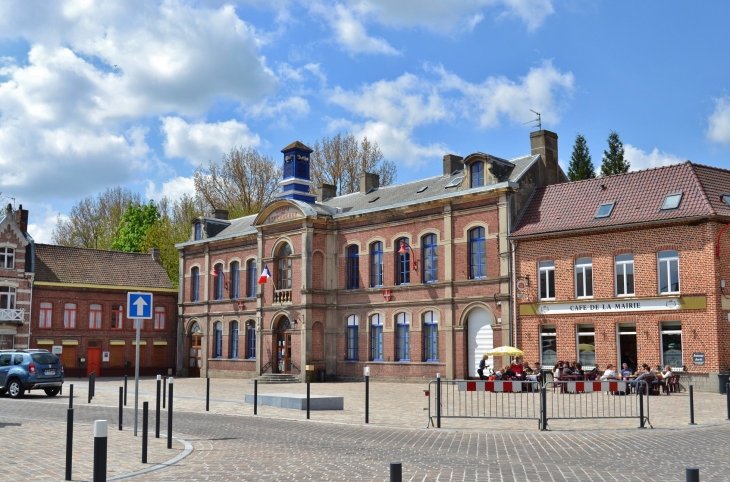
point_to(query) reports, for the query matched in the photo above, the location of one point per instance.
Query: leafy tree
(136, 222)
(613, 159)
(581, 164)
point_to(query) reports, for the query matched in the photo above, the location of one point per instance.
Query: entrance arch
(481, 338)
(283, 345)
(195, 359)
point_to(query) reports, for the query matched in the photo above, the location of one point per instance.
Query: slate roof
(299, 145)
(65, 264)
(638, 198)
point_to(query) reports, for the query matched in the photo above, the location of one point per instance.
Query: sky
(97, 94)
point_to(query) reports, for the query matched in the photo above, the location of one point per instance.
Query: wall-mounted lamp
(217, 273)
(404, 248)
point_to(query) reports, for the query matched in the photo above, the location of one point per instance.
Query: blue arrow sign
(139, 305)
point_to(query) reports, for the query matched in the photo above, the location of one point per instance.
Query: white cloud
(203, 142)
(642, 160)
(719, 122)
(42, 220)
(295, 107)
(350, 32)
(173, 189)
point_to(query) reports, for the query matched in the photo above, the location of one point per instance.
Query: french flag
(265, 275)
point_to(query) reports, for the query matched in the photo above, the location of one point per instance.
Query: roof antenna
(539, 122)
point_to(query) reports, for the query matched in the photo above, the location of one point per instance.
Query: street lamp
(404, 248)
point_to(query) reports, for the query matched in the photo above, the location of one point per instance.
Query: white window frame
(553, 333)
(582, 268)
(10, 296)
(663, 332)
(668, 261)
(578, 334)
(547, 267)
(8, 258)
(622, 264)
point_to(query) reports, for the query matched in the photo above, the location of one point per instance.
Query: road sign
(139, 305)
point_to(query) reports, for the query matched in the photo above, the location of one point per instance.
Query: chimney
(220, 214)
(326, 191)
(368, 181)
(452, 163)
(155, 253)
(545, 143)
(21, 217)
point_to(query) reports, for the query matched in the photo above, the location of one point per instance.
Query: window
(7, 258)
(604, 210)
(672, 345)
(476, 174)
(352, 323)
(402, 337)
(218, 282)
(376, 264)
(672, 201)
(725, 198)
(69, 316)
(218, 340)
(402, 263)
(251, 278)
(284, 280)
(583, 277)
(198, 231)
(159, 318)
(95, 317)
(624, 274)
(547, 279)
(233, 340)
(477, 253)
(430, 337)
(250, 340)
(45, 315)
(454, 182)
(117, 313)
(668, 272)
(586, 338)
(352, 268)
(233, 280)
(376, 337)
(7, 298)
(194, 284)
(430, 258)
(548, 346)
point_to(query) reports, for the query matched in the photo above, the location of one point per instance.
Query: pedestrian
(482, 366)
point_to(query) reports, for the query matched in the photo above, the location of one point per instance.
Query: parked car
(22, 370)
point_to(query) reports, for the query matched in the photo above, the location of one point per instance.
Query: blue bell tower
(296, 183)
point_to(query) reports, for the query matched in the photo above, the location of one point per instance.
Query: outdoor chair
(672, 385)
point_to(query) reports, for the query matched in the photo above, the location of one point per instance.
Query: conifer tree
(581, 164)
(613, 159)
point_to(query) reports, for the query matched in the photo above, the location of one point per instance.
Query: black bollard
(169, 417)
(438, 400)
(307, 400)
(121, 407)
(125, 390)
(90, 389)
(69, 441)
(157, 409)
(692, 474)
(93, 384)
(145, 419)
(727, 395)
(691, 406)
(100, 448)
(164, 390)
(367, 394)
(640, 388)
(207, 394)
(71, 396)
(543, 408)
(255, 395)
(396, 472)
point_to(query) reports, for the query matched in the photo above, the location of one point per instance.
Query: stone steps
(277, 378)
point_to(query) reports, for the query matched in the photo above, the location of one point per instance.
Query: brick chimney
(326, 191)
(368, 181)
(21, 217)
(155, 253)
(221, 214)
(452, 163)
(545, 143)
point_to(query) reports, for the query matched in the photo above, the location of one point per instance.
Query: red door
(93, 360)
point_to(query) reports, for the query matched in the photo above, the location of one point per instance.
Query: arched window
(194, 284)
(402, 263)
(284, 278)
(250, 340)
(69, 316)
(477, 254)
(218, 340)
(233, 280)
(45, 315)
(430, 258)
(198, 231)
(218, 282)
(376, 264)
(251, 278)
(352, 322)
(376, 337)
(353, 271)
(476, 174)
(159, 318)
(430, 336)
(402, 337)
(233, 340)
(95, 317)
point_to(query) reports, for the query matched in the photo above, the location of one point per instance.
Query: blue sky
(138, 93)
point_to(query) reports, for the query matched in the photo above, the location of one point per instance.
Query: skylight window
(605, 210)
(455, 182)
(374, 199)
(672, 201)
(422, 189)
(725, 198)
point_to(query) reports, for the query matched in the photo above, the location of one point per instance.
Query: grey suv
(22, 370)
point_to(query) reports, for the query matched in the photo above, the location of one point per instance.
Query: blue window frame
(477, 253)
(250, 340)
(233, 349)
(430, 259)
(476, 174)
(376, 264)
(218, 282)
(194, 284)
(402, 264)
(218, 340)
(198, 231)
(353, 272)
(233, 280)
(376, 337)
(251, 278)
(402, 337)
(352, 323)
(430, 337)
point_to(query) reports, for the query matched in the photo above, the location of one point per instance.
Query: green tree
(136, 221)
(581, 164)
(613, 158)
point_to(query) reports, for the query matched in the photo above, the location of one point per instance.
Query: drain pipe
(513, 290)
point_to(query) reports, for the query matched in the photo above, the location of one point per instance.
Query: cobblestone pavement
(231, 444)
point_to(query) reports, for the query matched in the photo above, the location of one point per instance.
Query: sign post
(139, 307)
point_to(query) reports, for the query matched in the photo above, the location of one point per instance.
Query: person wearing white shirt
(610, 374)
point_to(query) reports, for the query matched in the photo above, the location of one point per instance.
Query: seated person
(610, 373)
(648, 376)
(516, 366)
(567, 371)
(668, 373)
(625, 371)
(508, 373)
(557, 370)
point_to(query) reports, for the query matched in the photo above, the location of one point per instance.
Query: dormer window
(725, 198)
(476, 174)
(198, 235)
(605, 210)
(672, 201)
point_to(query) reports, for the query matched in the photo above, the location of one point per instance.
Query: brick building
(625, 269)
(411, 279)
(16, 278)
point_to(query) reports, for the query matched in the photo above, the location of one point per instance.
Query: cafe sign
(613, 306)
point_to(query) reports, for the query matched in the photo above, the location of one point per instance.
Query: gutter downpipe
(513, 287)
